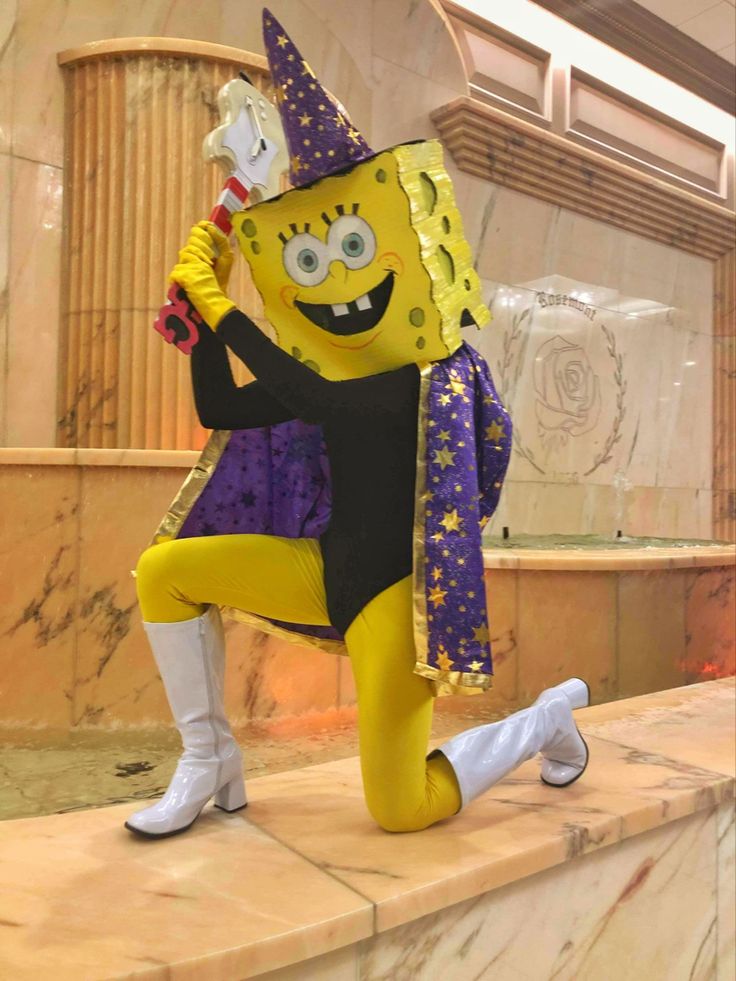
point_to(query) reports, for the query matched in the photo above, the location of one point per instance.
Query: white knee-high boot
(482, 756)
(190, 656)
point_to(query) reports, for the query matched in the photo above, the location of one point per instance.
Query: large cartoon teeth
(354, 317)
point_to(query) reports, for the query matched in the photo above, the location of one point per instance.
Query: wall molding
(496, 146)
(176, 46)
(724, 397)
(653, 42)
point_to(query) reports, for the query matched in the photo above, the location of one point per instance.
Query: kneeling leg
(404, 791)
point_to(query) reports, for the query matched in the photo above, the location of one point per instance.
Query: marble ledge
(80, 457)
(277, 884)
(610, 560)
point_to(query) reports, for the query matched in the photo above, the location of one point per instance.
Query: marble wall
(74, 654)
(73, 650)
(389, 86)
(613, 425)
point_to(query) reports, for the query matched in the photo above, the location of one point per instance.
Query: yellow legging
(282, 578)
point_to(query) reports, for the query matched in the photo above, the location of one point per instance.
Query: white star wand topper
(250, 145)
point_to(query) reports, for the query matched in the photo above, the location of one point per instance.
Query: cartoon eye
(306, 259)
(352, 241)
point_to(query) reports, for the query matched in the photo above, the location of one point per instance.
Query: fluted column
(724, 398)
(137, 110)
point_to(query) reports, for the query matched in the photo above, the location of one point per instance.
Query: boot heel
(231, 797)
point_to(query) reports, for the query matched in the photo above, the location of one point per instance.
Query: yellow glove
(215, 246)
(203, 271)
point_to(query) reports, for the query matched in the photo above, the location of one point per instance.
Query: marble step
(528, 881)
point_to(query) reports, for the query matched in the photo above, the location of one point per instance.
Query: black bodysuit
(370, 430)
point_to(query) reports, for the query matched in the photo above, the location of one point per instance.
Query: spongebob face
(365, 271)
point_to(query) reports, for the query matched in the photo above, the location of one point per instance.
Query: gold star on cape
(476, 665)
(494, 432)
(436, 573)
(445, 457)
(481, 634)
(437, 595)
(282, 41)
(444, 435)
(452, 520)
(305, 120)
(444, 661)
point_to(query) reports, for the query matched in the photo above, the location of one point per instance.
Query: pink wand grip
(178, 321)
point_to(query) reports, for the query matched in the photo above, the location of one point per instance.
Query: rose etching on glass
(568, 392)
(570, 396)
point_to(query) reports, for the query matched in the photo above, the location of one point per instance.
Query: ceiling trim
(653, 42)
(505, 150)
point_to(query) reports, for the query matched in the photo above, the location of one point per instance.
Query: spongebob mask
(368, 269)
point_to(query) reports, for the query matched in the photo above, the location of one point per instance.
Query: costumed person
(340, 500)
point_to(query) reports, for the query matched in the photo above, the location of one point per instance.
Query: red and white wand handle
(249, 144)
(233, 198)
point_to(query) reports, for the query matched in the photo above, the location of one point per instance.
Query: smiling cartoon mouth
(354, 317)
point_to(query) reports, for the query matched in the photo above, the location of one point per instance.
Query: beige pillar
(137, 110)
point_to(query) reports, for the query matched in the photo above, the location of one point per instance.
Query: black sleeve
(307, 394)
(221, 404)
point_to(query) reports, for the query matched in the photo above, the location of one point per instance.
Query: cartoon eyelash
(339, 210)
(295, 230)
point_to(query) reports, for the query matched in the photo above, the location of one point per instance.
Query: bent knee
(155, 575)
(152, 565)
(394, 816)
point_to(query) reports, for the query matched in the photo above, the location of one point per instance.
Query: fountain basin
(630, 616)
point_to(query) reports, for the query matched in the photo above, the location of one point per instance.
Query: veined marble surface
(653, 411)
(388, 86)
(627, 873)
(72, 531)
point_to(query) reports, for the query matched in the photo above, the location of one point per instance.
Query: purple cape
(275, 480)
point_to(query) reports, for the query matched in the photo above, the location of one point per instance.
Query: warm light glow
(569, 45)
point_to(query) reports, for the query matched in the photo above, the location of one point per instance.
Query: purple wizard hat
(321, 137)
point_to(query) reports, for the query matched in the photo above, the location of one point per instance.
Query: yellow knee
(155, 584)
(152, 567)
(392, 817)
(393, 810)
